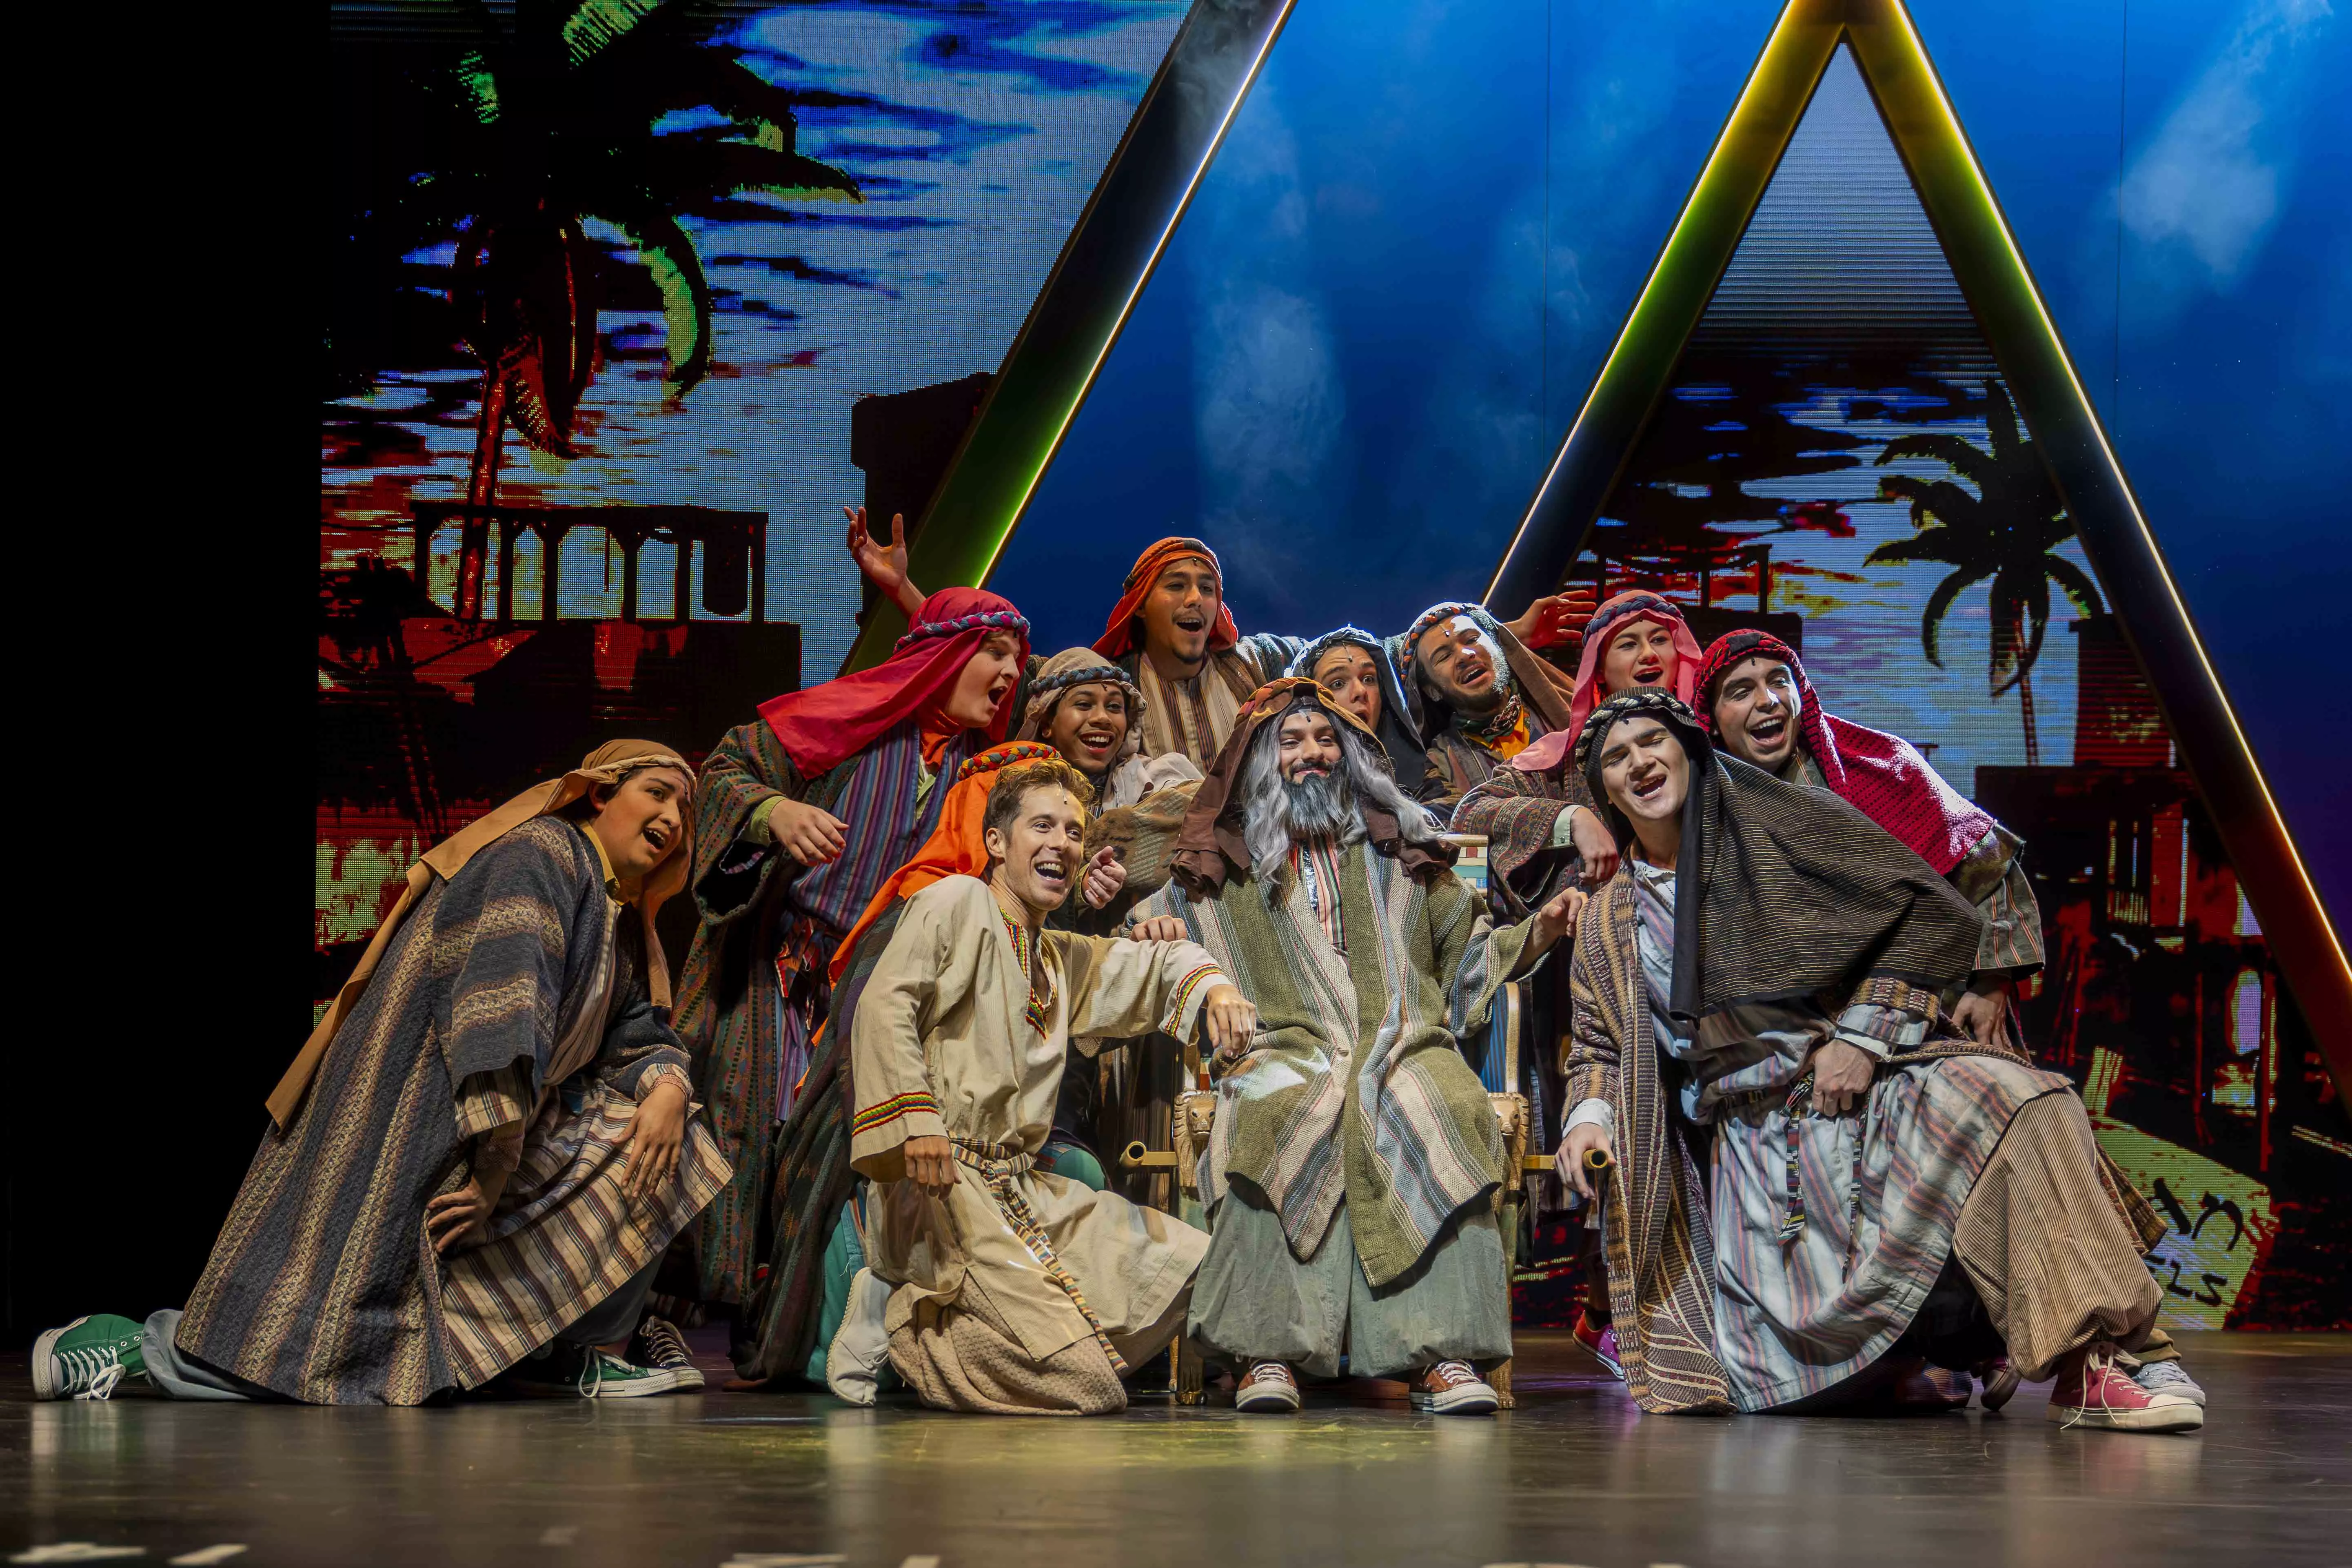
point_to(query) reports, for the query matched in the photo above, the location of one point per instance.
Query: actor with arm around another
(994, 1285)
(1882, 1189)
(1350, 1173)
(494, 1114)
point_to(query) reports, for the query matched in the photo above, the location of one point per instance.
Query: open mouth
(1190, 621)
(1476, 676)
(1305, 771)
(998, 688)
(1766, 733)
(1647, 788)
(1052, 870)
(1095, 740)
(656, 835)
(1649, 674)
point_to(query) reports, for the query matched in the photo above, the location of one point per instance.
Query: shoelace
(664, 1344)
(2094, 1364)
(592, 1376)
(96, 1369)
(1450, 1374)
(1273, 1371)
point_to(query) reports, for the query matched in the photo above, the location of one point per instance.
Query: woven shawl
(1797, 891)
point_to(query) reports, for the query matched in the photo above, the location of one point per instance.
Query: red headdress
(1636, 605)
(1881, 776)
(827, 724)
(1118, 632)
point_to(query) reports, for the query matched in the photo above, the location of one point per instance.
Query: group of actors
(1768, 953)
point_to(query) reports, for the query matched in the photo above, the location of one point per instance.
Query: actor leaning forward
(1010, 1290)
(480, 1157)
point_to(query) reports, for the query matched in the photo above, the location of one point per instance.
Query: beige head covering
(608, 764)
(1080, 667)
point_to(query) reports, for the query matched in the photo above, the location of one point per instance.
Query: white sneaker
(861, 1346)
(660, 1345)
(1268, 1390)
(1452, 1388)
(2169, 1377)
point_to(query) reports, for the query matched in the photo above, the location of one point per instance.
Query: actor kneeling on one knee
(1883, 1189)
(994, 1286)
(1351, 1171)
(476, 1162)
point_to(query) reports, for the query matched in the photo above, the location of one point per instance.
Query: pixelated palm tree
(559, 119)
(2006, 532)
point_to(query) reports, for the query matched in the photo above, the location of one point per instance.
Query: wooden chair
(1192, 1117)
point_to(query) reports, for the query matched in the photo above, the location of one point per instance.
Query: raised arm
(883, 565)
(1119, 988)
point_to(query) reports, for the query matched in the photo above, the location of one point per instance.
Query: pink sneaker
(1600, 1342)
(2094, 1392)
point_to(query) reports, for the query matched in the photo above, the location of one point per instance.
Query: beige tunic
(945, 1046)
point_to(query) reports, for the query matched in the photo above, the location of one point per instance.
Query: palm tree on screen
(2006, 532)
(622, 111)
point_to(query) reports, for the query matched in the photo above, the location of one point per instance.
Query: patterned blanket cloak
(324, 1285)
(1356, 1087)
(754, 987)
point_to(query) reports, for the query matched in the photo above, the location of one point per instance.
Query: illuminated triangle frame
(1999, 288)
(1112, 250)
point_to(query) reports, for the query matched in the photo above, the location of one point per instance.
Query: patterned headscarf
(1783, 891)
(607, 764)
(1884, 776)
(1118, 632)
(1211, 837)
(830, 723)
(1080, 667)
(1638, 604)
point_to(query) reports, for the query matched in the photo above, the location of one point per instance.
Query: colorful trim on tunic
(1039, 1009)
(889, 1110)
(997, 1164)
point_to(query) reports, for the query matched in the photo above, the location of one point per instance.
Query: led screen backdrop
(772, 223)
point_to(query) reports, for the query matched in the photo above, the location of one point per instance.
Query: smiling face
(1179, 610)
(1306, 745)
(1460, 661)
(1645, 772)
(1040, 848)
(986, 677)
(641, 821)
(1089, 725)
(1755, 709)
(1349, 674)
(1639, 653)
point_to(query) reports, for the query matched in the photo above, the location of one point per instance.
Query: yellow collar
(613, 888)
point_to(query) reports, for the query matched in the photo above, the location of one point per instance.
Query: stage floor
(1574, 1475)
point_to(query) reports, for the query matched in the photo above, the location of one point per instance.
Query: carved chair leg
(1499, 1380)
(1184, 1372)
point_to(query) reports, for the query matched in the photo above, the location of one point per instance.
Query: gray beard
(1317, 806)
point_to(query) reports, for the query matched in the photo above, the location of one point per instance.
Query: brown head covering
(1212, 833)
(607, 764)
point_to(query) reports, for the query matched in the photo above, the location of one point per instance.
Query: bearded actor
(1762, 976)
(1351, 1174)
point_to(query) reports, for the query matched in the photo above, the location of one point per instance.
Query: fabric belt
(997, 1165)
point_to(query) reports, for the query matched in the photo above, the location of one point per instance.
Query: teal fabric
(844, 1255)
(1074, 1162)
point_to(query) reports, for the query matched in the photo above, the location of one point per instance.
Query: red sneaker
(2094, 1392)
(1601, 1341)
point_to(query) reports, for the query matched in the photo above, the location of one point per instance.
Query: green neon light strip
(1992, 273)
(1086, 302)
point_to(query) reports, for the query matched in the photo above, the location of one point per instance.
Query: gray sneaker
(861, 1346)
(2169, 1377)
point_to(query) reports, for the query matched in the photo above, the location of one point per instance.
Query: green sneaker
(567, 1371)
(88, 1357)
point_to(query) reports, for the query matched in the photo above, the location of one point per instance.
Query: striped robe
(1519, 815)
(1192, 718)
(755, 989)
(1356, 1088)
(1722, 1298)
(324, 1285)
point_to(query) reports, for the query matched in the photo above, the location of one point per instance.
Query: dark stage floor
(1571, 1476)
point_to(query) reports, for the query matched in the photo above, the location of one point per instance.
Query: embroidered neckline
(1040, 1009)
(1497, 727)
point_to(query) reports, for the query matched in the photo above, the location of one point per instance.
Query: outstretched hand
(1554, 921)
(883, 565)
(1105, 875)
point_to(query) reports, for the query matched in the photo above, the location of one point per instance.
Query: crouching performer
(1763, 972)
(475, 1163)
(1351, 1171)
(992, 1285)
